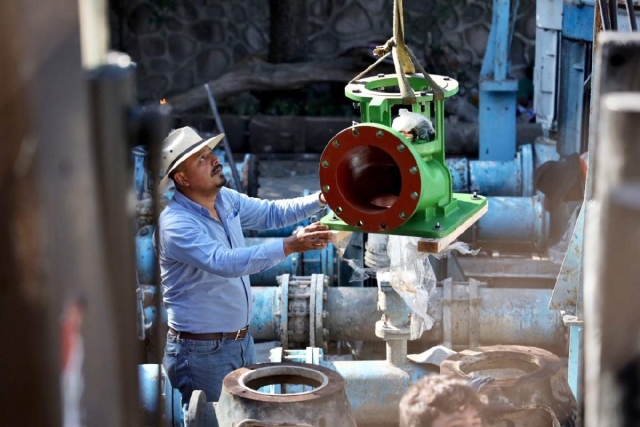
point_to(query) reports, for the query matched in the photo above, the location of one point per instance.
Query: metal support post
(548, 28)
(576, 358)
(225, 142)
(616, 70)
(612, 244)
(394, 326)
(574, 69)
(497, 92)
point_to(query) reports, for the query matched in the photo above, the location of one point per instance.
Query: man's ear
(180, 179)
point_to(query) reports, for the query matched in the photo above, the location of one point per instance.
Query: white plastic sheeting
(410, 274)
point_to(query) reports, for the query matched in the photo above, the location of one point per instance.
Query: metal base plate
(468, 208)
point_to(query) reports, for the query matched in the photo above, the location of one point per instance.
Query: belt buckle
(240, 331)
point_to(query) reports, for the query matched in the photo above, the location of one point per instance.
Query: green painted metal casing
(371, 160)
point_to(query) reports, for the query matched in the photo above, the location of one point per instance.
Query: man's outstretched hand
(312, 237)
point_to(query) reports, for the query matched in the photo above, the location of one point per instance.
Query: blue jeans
(202, 365)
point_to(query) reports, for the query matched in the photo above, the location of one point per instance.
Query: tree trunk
(289, 31)
(259, 75)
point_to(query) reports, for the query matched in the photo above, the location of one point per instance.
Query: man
(205, 267)
(440, 401)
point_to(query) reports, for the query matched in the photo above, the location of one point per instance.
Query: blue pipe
(291, 265)
(369, 384)
(148, 392)
(503, 315)
(513, 220)
(145, 255)
(280, 232)
(140, 181)
(512, 178)
(313, 262)
(374, 388)
(510, 220)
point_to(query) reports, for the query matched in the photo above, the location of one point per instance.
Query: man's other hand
(312, 237)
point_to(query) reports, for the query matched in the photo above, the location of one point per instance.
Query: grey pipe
(506, 316)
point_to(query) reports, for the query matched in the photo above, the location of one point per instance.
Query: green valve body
(376, 180)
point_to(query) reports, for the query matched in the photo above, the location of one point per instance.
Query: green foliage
(162, 9)
(283, 106)
(164, 6)
(244, 104)
(324, 99)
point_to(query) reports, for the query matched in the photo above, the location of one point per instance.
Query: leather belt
(237, 335)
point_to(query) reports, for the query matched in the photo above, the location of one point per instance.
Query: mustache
(217, 169)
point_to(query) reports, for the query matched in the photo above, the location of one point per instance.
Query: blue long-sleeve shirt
(204, 265)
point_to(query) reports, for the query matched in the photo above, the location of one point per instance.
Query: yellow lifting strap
(404, 61)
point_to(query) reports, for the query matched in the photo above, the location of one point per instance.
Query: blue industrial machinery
(503, 316)
(390, 380)
(511, 220)
(280, 232)
(146, 260)
(574, 70)
(312, 262)
(497, 90)
(306, 312)
(563, 67)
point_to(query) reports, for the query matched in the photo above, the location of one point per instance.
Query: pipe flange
(384, 161)
(284, 310)
(316, 303)
(527, 168)
(245, 382)
(326, 404)
(525, 378)
(388, 332)
(366, 89)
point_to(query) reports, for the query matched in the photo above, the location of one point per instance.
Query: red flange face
(370, 178)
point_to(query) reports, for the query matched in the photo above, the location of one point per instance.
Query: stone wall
(178, 44)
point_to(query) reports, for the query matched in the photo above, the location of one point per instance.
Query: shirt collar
(189, 204)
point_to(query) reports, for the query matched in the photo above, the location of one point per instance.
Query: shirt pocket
(232, 215)
(234, 227)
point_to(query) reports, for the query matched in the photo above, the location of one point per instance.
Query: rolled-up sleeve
(185, 242)
(257, 214)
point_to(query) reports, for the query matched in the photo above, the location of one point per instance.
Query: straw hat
(179, 145)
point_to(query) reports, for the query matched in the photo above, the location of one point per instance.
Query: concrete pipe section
(257, 396)
(530, 388)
